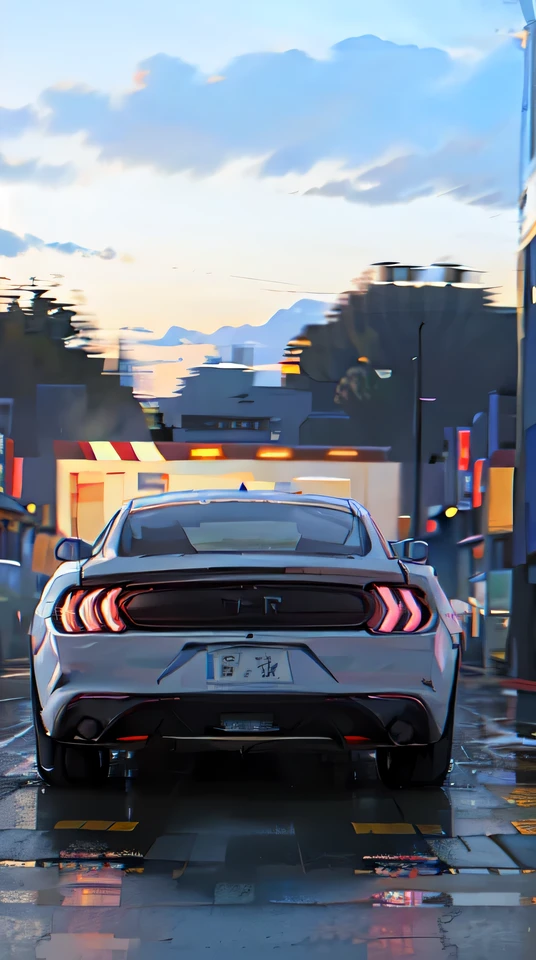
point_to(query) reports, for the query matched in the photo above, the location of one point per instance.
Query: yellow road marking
(528, 827)
(522, 796)
(123, 826)
(430, 829)
(97, 825)
(392, 828)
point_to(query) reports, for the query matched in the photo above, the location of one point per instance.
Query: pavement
(265, 858)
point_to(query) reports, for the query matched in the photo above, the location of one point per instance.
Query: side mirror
(460, 608)
(414, 550)
(71, 548)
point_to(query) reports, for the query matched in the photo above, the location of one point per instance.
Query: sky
(155, 155)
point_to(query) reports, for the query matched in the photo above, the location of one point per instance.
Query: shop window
(501, 553)
(153, 483)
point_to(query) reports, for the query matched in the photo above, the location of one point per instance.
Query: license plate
(246, 665)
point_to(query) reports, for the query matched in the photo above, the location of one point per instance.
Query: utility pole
(417, 433)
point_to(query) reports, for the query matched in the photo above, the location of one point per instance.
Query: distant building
(470, 521)
(95, 479)
(221, 402)
(243, 353)
(51, 392)
(522, 634)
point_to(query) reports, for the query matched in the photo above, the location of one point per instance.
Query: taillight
(93, 611)
(398, 610)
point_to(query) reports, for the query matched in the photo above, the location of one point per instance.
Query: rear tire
(62, 765)
(426, 766)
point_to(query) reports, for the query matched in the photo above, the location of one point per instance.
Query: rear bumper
(296, 722)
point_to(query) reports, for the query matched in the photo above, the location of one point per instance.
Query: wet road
(262, 858)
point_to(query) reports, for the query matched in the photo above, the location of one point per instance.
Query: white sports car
(244, 621)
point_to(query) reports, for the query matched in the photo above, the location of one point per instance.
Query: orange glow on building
(206, 453)
(342, 453)
(277, 453)
(478, 551)
(290, 368)
(500, 499)
(404, 526)
(16, 489)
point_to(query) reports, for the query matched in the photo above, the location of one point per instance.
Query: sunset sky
(174, 147)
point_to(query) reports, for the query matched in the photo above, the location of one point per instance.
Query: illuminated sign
(2, 463)
(464, 450)
(477, 482)
(500, 497)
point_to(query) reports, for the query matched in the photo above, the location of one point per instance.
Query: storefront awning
(471, 541)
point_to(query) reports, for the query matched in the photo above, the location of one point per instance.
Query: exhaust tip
(401, 733)
(88, 728)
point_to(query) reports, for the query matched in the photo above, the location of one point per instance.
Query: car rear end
(238, 650)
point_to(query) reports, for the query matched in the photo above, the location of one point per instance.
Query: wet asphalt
(273, 858)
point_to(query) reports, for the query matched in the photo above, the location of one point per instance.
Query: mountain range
(269, 339)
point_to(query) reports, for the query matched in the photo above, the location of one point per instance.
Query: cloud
(11, 245)
(373, 106)
(480, 173)
(33, 170)
(13, 123)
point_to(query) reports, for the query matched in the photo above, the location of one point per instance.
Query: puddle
(97, 851)
(411, 898)
(19, 863)
(406, 866)
(97, 866)
(91, 888)
(232, 893)
(63, 946)
(426, 898)
(19, 896)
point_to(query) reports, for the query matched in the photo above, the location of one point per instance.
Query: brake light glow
(398, 609)
(110, 611)
(87, 612)
(94, 611)
(394, 611)
(415, 618)
(67, 615)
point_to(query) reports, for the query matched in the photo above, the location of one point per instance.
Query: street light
(417, 430)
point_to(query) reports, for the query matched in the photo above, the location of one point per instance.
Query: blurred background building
(522, 634)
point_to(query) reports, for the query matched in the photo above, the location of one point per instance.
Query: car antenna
(243, 487)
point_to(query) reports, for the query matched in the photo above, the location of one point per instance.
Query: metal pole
(417, 429)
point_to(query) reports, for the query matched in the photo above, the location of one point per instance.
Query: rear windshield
(242, 527)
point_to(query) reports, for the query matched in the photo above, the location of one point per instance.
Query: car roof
(268, 496)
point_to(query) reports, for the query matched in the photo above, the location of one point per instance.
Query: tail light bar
(93, 611)
(398, 610)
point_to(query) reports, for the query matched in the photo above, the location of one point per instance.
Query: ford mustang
(245, 621)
